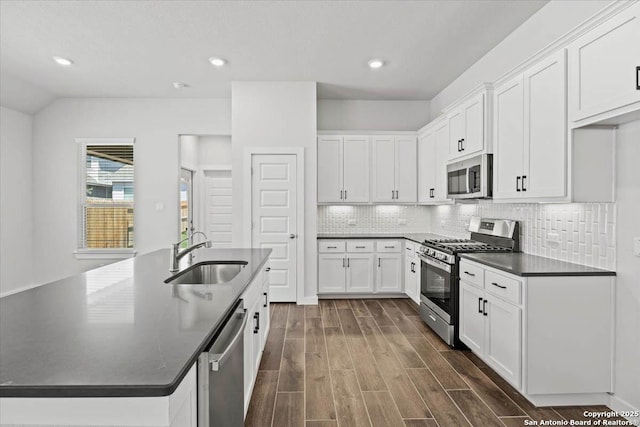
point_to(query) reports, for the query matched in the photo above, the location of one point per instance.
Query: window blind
(106, 207)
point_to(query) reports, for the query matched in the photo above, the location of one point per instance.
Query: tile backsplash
(373, 219)
(583, 233)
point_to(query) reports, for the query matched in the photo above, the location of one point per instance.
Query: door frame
(247, 202)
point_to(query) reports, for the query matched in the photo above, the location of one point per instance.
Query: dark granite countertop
(118, 330)
(416, 237)
(524, 265)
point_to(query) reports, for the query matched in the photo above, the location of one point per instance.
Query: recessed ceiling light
(375, 63)
(217, 62)
(63, 61)
(180, 85)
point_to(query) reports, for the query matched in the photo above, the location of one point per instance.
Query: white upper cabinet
(530, 138)
(545, 128)
(467, 127)
(426, 166)
(441, 146)
(384, 169)
(343, 169)
(509, 139)
(356, 169)
(394, 169)
(330, 169)
(603, 69)
(406, 170)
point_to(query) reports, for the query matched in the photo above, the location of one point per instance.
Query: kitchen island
(118, 331)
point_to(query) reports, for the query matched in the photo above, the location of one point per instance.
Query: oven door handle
(435, 263)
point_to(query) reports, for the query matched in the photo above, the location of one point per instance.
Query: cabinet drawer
(505, 287)
(331, 246)
(388, 246)
(410, 248)
(359, 246)
(472, 274)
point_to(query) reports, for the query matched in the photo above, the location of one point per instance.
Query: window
(106, 196)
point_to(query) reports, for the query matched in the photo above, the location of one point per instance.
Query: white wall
(16, 260)
(214, 150)
(335, 114)
(552, 21)
(628, 266)
(277, 114)
(189, 152)
(156, 124)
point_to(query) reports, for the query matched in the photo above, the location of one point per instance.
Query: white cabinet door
(356, 169)
(603, 73)
(441, 149)
(360, 273)
(406, 175)
(503, 347)
(426, 167)
(471, 317)
(256, 326)
(473, 138)
(265, 314)
(456, 133)
(384, 169)
(509, 135)
(389, 273)
(411, 280)
(330, 169)
(331, 273)
(545, 134)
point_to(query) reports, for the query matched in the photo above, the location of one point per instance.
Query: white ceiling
(138, 48)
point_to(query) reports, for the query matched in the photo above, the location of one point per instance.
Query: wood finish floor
(351, 363)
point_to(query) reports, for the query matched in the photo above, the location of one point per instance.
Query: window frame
(92, 253)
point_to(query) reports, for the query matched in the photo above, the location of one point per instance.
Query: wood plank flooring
(370, 363)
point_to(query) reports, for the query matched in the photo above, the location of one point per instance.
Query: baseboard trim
(313, 300)
(362, 296)
(621, 405)
(569, 399)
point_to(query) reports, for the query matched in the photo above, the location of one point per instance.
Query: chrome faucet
(177, 254)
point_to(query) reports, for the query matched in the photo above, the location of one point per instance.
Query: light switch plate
(636, 246)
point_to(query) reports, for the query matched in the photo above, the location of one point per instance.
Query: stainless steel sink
(208, 273)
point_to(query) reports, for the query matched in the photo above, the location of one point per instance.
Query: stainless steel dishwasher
(221, 375)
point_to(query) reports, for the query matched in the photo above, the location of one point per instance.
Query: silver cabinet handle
(433, 318)
(217, 359)
(500, 286)
(292, 236)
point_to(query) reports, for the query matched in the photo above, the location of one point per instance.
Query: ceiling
(138, 48)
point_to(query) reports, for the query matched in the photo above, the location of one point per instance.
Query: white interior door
(218, 207)
(273, 218)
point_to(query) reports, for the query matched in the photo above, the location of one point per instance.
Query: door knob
(292, 236)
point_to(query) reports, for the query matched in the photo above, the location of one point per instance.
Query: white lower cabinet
(411, 272)
(256, 301)
(359, 273)
(389, 273)
(360, 266)
(491, 328)
(531, 331)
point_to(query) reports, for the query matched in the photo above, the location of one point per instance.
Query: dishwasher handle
(216, 360)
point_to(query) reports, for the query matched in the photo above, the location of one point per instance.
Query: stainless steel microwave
(471, 178)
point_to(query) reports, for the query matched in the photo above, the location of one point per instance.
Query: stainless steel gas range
(440, 276)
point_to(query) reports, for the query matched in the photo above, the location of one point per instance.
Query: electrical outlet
(351, 222)
(636, 246)
(553, 239)
(402, 221)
